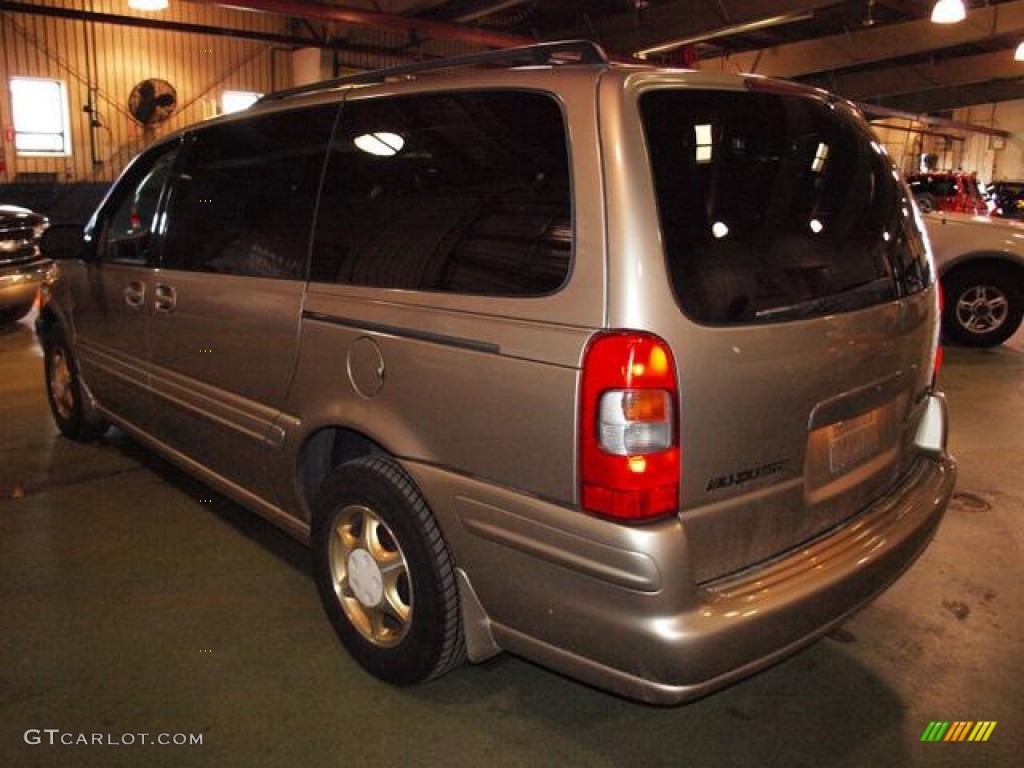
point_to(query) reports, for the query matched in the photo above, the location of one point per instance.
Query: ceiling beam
(943, 126)
(664, 22)
(913, 78)
(416, 27)
(144, 22)
(875, 44)
(948, 99)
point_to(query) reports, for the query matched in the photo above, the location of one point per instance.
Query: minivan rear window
(776, 206)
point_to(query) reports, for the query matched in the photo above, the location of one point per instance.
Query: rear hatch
(805, 322)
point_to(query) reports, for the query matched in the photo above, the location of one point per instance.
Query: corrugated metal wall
(200, 67)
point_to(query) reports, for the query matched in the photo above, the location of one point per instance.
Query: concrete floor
(133, 600)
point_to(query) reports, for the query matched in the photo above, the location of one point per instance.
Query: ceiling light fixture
(1018, 55)
(148, 5)
(735, 29)
(949, 12)
(380, 143)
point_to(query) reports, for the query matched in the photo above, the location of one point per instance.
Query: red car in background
(953, 191)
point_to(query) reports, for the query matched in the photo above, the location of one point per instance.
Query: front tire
(64, 390)
(926, 203)
(983, 305)
(384, 573)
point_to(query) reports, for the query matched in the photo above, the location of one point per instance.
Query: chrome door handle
(135, 294)
(164, 298)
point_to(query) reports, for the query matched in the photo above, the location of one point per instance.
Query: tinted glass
(943, 186)
(244, 201)
(464, 192)
(775, 206)
(128, 233)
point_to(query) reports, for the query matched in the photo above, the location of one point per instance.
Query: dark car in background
(953, 191)
(22, 267)
(1008, 198)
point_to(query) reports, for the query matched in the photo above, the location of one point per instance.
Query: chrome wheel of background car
(61, 382)
(982, 309)
(370, 576)
(384, 572)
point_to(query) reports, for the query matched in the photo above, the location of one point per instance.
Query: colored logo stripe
(960, 730)
(982, 731)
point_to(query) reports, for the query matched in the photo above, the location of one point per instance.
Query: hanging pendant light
(949, 12)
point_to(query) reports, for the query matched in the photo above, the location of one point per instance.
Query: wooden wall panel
(200, 67)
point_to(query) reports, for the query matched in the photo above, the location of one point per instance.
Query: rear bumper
(751, 620)
(626, 616)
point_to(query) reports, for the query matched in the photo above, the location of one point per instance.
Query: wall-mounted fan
(152, 101)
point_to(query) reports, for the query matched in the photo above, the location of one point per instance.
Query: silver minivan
(626, 370)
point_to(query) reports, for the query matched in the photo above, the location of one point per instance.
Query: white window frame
(59, 117)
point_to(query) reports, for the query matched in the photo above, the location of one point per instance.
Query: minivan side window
(128, 232)
(463, 192)
(244, 199)
(776, 206)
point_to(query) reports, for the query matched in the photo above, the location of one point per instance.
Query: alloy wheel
(61, 383)
(371, 576)
(982, 309)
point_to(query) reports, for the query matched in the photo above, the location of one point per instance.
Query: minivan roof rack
(559, 52)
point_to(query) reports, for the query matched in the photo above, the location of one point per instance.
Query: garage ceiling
(884, 52)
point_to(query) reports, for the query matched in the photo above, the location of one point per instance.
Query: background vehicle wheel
(64, 391)
(925, 202)
(384, 573)
(983, 305)
(14, 314)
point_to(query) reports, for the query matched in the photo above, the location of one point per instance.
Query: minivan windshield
(775, 206)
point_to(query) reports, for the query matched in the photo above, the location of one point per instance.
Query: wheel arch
(984, 259)
(325, 448)
(49, 318)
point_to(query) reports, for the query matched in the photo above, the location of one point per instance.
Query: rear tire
(384, 573)
(983, 305)
(64, 390)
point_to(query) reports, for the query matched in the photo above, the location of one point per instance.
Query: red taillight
(629, 444)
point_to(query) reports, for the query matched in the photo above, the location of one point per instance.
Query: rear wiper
(851, 298)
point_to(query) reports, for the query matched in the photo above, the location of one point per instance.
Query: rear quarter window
(774, 206)
(459, 192)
